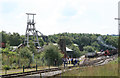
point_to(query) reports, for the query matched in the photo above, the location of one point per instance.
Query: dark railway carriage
(91, 55)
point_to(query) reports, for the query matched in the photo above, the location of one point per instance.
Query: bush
(6, 67)
(51, 55)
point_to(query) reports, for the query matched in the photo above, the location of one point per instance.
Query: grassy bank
(25, 70)
(110, 69)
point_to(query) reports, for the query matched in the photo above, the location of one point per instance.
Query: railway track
(14, 75)
(97, 62)
(87, 62)
(28, 73)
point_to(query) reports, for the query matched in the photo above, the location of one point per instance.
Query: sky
(58, 16)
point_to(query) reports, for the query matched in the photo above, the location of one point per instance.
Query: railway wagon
(91, 55)
(110, 52)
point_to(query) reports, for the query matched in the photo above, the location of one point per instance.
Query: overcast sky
(57, 16)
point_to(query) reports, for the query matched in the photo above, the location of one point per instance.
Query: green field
(110, 69)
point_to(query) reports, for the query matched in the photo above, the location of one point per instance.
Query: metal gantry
(31, 31)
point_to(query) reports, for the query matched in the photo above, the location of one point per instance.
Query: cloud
(54, 16)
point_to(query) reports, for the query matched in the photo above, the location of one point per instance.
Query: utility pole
(118, 24)
(118, 18)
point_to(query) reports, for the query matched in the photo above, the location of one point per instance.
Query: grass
(2, 72)
(25, 70)
(110, 69)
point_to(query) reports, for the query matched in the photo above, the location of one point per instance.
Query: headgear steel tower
(31, 31)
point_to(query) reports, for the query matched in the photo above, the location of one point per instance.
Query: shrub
(6, 67)
(52, 54)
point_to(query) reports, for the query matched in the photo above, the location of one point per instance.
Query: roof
(75, 45)
(13, 47)
(67, 49)
(55, 44)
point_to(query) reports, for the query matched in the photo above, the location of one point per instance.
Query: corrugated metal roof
(67, 49)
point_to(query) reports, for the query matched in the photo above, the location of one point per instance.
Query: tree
(12, 58)
(112, 41)
(68, 41)
(52, 54)
(41, 42)
(4, 37)
(25, 56)
(96, 45)
(5, 53)
(76, 52)
(32, 47)
(88, 48)
(13, 39)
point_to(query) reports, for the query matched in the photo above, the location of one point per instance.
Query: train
(102, 53)
(110, 52)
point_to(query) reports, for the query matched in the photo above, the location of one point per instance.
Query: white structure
(67, 49)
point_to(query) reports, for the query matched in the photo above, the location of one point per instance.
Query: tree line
(81, 39)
